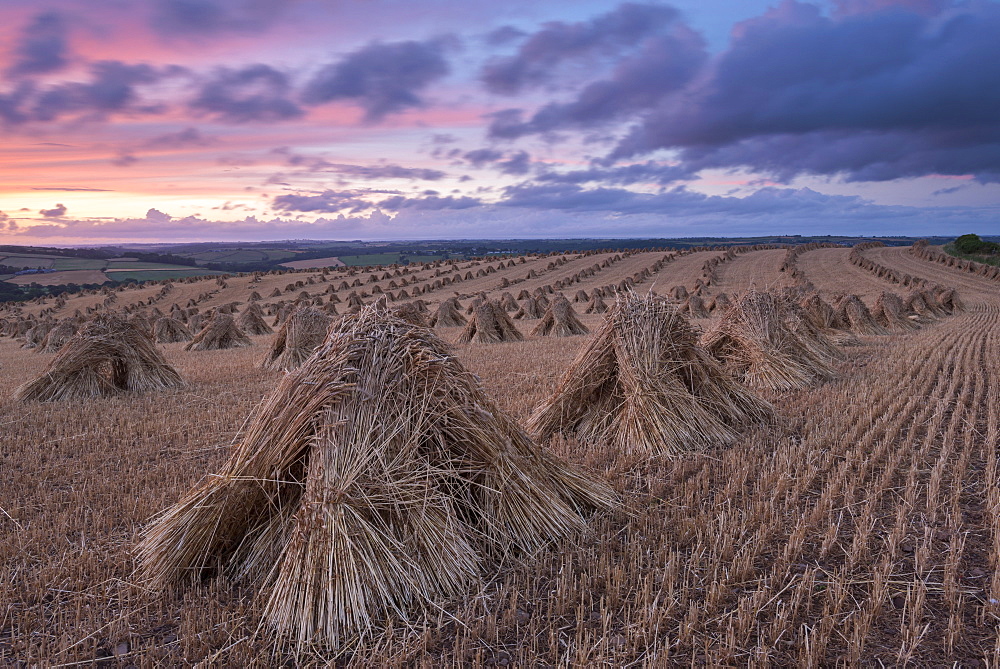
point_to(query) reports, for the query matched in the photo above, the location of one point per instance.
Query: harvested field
(315, 262)
(832, 274)
(861, 526)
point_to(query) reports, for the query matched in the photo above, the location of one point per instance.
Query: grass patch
(78, 263)
(156, 275)
(390, 258)
(32, 262)
(986, 260)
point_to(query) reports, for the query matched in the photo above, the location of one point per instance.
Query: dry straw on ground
(560, 320)
(767, 343)
(644, 386)
(376, 481)
(108, 356)
(219, 333)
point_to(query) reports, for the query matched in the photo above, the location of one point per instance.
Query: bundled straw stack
(377, 480)
(767, 343)
(108, 356)
(530, 309)
(57, 337)
(489, 324)
(597, 305)
(560, 320)
(889, 312)
(645, 387)
(252, 322)
(168, 330)
(448, 314)
(299, 336)
(856, 315)
(219, 333)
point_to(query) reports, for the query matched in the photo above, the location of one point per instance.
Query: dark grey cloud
(648, 172)
(329, 202)
(182, 138)
(255, 93)
(650, 56)
(368, 172)
(683, 202)
(42, 47)
(196, 18)
(57, 211)
(504, 35)
(428, 203)
(507, 162)
(111, 88)
(383, 78)
(538, 59)
(481, 157)
(883, 93)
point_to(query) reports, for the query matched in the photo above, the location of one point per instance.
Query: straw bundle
(916, 303)
(767, 344)
(141, 322)
(195, 321)
(490, 324)
(950, 301)
(694, 307)
(298, 337)
(377, 480)
(819, 313)
(107, 357)
(170, 330)
(889, 312)
(679, 293)
(36, 333)
(644, 386)
(931, 300)
(57, 337)
(852, 311)
(448, 315)
(508, 302)
(560, 320)
(530, 309)
(251, 320)
(581, 296)
(411, 313)
(597, 305)
(219, 333)
(720, 303)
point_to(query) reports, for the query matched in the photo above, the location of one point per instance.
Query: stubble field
(862, 526)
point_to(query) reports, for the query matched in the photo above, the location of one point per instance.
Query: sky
(225, 120)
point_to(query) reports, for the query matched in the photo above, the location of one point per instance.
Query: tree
(970, 243)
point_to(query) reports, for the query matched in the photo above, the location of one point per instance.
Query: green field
(390, 258)
(138, 264)
(241, 255)
(79, 263)
(155, 275)
(33, 262)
